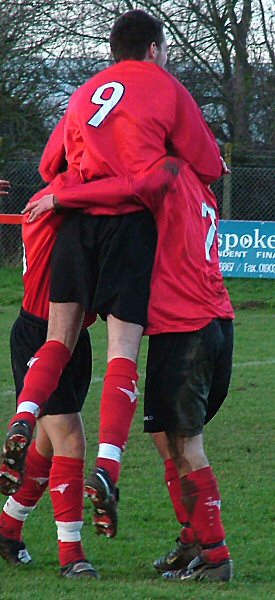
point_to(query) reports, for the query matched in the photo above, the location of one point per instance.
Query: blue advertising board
(247, 248)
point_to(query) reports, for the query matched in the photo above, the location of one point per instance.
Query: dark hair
(133, 33)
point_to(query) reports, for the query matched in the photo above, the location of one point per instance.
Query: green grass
(240, 444)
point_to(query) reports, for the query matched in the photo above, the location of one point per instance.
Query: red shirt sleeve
(192, 139)
(119, 195)
(110, 192)
(53, 158)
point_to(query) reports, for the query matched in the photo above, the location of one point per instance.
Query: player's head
(136, 35)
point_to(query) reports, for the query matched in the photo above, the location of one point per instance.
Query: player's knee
(193, 455)
(123, 339)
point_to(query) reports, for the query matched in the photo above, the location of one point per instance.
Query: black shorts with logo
(105, 264)
(28, 334)
(187, 378)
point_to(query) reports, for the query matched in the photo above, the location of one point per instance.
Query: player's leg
(63, 427)
(186, 547)
(66, 316)
(133, 255)
(64, 435)
(45, 369)
(66, 484)
(65, 475)
(172, 479)
(19, 506)
(199, 488)
(159, 384)
(27, 334)
(201, 497)
(119, 395)
(60, 431)
(47, 365)
(117, 409)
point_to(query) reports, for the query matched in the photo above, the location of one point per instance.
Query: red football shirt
(129, 116)
(187, 289)
(53, 158)
(39, 237)
(38, 242)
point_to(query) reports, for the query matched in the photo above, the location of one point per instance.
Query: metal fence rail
(247, 194)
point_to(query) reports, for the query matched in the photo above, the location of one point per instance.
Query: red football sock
(216, 555)
(25, 415)
(201, 497)
(66, 489)
(21, 504)
(41, 379)
(9, 527)
(36, 477)
(112, 466)
(187, 535)
(118, 406)
(172, 481)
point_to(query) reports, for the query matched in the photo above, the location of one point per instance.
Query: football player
(128, 117)
(56, 456)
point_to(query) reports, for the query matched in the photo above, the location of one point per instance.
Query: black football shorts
(28, 334)
(187, 378)
(105, 263)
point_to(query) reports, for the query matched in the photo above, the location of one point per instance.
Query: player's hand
(4, 187)
(38, 207)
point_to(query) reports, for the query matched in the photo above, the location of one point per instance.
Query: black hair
(133, 33)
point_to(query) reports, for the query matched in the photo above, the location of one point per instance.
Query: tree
(223, 50)
(220, 49)
(41, 60)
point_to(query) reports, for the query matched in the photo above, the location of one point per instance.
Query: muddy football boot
(14, 552)
(104, 496)
(81, 568)
(15, 448)
(200, 570)
(178, 558)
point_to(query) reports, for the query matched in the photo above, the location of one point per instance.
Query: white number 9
(106, 105)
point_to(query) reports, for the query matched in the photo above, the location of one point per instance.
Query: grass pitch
(240, 444)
